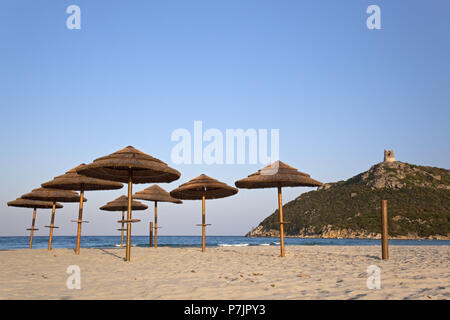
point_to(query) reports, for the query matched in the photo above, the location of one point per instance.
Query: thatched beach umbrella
(203, 187)
(278, 175)
(130, 165)
(157, 194)
(71, 180)
(121, 204)
(52, 195)
(35, 204)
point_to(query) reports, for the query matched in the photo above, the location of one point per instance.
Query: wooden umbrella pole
(121, 231)
(130, 190)
(280, 210)
(80, 219)
(384, 230)
(32, 228)
(156, 224)
(203, 223)
(52, 223)
(151, 235)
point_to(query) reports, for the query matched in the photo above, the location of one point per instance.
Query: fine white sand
(307, 272)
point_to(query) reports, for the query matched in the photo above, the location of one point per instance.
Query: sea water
(11, 243)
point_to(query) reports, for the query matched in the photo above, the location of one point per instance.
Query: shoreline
(113, 242)
(355, 238)
(256, 272)
(444, 238)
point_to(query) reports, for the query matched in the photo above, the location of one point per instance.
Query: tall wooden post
(130, 190)
(156, 224)
(151, 234)
(203, 223)
(121, 231)
(32, 228)
(80, 220)
(384, 230)
(280, 210)
(52, 224)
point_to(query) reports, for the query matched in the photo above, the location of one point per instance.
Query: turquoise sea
(11, 243)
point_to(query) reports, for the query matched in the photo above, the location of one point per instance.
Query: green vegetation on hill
(418, 205)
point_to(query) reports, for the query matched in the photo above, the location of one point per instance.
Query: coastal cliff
(418, 205)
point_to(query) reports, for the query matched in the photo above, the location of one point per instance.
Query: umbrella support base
(80, 221)
(129, 220)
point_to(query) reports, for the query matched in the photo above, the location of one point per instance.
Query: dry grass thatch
(35, 204)
(45, 194)
(155, 193)
(71, 180)
(117, 166)
(275, 175)
(211, 188)
(121, 204)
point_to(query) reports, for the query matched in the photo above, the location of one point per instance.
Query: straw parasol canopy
(278, 175)
(52, 195)
(71, 180)
(121, 204)
(35, 204)
(130, 165)
(157, 194)
(116, 167)
(203, 187)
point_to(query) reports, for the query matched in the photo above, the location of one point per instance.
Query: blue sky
(339, 94)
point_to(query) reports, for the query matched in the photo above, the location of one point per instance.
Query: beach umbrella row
(132, 166)
(54, 196)
(34, 204)
(71, 180)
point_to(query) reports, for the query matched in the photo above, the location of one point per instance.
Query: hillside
(418, 206)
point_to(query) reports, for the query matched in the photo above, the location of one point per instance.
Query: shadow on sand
(112, 254)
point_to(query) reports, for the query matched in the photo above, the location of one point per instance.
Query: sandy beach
(307, 272)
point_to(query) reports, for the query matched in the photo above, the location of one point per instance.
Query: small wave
(233, 245)
(264, 244)
(275, 243)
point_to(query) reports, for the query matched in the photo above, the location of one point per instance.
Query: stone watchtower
(389, 156)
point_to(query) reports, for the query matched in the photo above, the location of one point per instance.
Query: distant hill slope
(418, 206)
